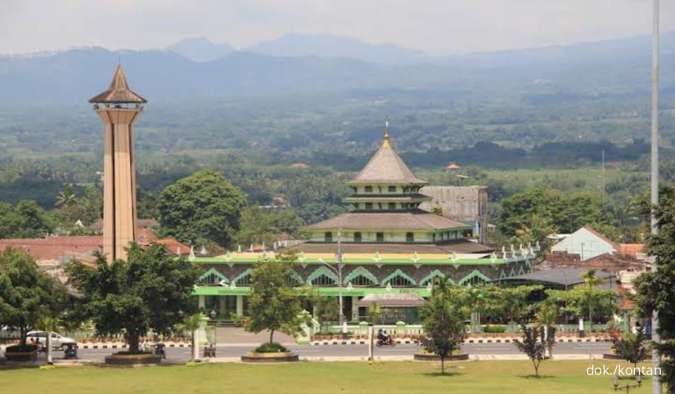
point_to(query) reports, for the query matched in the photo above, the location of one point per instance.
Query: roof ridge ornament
(386, 143)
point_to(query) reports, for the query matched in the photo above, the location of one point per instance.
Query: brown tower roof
(118, 92)
(386, 166)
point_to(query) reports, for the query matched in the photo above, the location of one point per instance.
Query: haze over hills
(617, 67)
(200, 49)
(323, 45)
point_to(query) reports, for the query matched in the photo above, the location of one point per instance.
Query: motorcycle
(160, 351)
(387, 340)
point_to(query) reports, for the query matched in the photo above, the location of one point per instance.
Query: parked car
(58, 341)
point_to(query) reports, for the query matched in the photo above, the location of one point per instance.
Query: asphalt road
(180, 355)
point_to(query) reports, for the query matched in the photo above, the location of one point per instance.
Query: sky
(435, 26)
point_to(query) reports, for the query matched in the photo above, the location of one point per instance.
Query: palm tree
(591, 281)
(191, 324)
(66, 197)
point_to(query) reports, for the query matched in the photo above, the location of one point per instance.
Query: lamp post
(654, 181)
(338, 271)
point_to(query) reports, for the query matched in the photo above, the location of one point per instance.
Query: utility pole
(654, 184)
(604, 180)
(339, 273)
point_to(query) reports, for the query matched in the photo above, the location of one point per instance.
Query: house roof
(560, 276)
(59, 248)
(411, 220)
(456, 246)
(118, 92)
(601, 236)
(386, 166)
(55, 248)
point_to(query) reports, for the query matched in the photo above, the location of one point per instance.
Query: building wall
(462, 203)
(371, 236)
(418, 272)
(584, 243)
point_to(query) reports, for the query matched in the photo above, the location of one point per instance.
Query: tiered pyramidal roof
(386, 166)
(118, 92)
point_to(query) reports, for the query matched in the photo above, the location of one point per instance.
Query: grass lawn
(387, 377)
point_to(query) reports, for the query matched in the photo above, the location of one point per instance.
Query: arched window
(212, 278)
(243, 279)
(429, 279)
(474, 279)
(323, 280)
(361, 277)
(322, 276)
(399, 278)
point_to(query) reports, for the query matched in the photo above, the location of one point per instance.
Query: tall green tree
(25, 219)
(200, 208)
(150, 291)
(27, 295)
(259, 225)
(656, 290)
(274, 303)
(443, 322)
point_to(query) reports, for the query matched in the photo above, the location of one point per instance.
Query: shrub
(273, 347)
(21, 348)
(494, 329)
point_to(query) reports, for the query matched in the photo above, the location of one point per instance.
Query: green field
(350, 377)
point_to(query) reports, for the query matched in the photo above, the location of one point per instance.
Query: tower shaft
(119, 181)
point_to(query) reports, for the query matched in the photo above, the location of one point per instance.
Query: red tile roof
(82, 247)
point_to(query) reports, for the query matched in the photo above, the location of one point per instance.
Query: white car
(58, 341)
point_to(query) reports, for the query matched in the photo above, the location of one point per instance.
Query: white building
(586, 243)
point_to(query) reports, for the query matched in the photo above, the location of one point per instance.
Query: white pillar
(49, 348)
(240, 305)
(355, 308)
(221, 306)
(370, 342)
(202, 302)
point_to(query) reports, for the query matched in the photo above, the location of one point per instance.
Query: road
(180, 355)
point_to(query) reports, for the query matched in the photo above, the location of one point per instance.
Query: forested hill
(617, 67)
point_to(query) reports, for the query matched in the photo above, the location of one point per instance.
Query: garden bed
(270, 352)
(21, 353)
(423, 356)
(124, 358)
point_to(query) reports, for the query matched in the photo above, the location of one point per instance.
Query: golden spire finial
(386, 143)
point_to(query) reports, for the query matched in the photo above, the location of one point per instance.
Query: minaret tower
(118, 107)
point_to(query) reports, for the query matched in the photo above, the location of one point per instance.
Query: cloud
(436, 26)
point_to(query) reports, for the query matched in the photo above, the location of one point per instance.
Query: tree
(274, 303)
(533, 345)
(258, 225)
(631, 346)
(25, 219)
(585, 300)
(201, 207)
(547, 314)
(326, 308)
(656, 290)
(150, 291)
(191, 324)
(27, 295)
(443, 323)
(590, 281)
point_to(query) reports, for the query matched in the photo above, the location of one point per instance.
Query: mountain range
(293, 64)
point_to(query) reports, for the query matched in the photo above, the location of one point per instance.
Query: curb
(466, 341)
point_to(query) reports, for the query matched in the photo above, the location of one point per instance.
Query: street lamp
(627, 386)
(338, 271)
